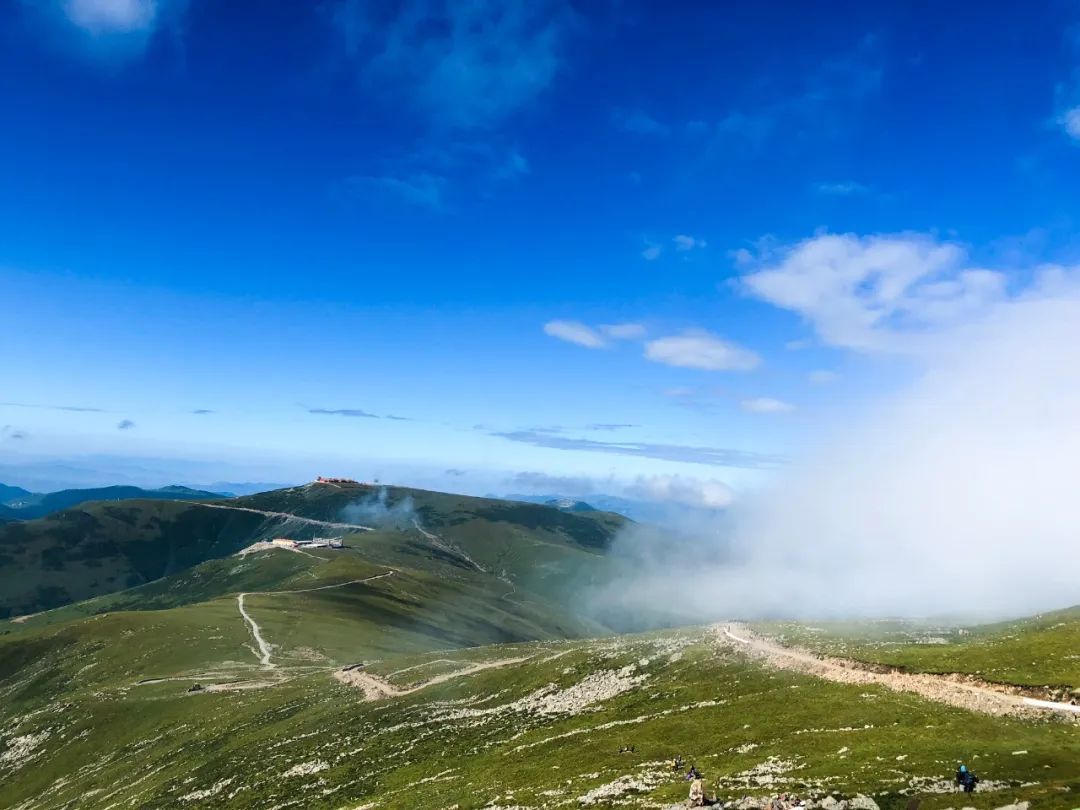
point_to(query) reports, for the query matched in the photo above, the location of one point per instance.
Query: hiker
(693, 773)
(676, 764)
(697, 794)
(961, 770)
(970, 780)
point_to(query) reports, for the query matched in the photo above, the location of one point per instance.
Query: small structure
(283, 542)
(321, 480)
(323, 542)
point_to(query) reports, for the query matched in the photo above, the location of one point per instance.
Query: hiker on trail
(698, 797)
(960, 771)
(970, 780)
(693, 773)
(676, 764)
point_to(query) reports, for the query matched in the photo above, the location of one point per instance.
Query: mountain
(389, 675)
(29, 505)
(570, 505)
(658, 513)
(9, 493)
(234, 488)
(106, 546)
(441, 658)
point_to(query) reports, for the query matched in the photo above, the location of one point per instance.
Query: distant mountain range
(17, 503)
(666, 514)
(109, 545)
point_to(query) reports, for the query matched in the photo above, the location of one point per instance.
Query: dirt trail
(953, 690)
(447, 546)
(287, 516)
(375, 688)
(264, 647)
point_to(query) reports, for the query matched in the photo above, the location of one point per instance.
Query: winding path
(376, 688)
(955, 690)
(265, 648)
(287, 516)
(447, 546)
(452, 548)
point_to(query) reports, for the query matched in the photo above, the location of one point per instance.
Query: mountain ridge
(27, 505)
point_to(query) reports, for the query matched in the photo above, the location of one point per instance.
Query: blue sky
(628, 244)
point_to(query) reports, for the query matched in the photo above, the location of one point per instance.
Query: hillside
(439, 659)
(1040, 651)
(659, 513)
(9, 493)
(100, 712)
(30, 505)
(103, 547)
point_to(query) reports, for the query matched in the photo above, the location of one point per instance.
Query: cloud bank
(955, 495)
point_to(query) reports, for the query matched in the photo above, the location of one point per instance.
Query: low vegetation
(426, 664)
(1040, 651)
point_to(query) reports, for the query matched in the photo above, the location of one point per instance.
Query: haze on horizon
(799, 265)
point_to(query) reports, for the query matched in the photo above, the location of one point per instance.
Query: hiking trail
(287, 516)
(964, 692)
(447, 546)
(265, 647)
(376, 688)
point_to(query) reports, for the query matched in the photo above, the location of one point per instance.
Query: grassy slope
(538, 546)
(78, 727)
(1038, 651)
(104, 547)
(148, 746)
(34, 505)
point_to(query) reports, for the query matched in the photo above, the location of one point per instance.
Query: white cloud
(594, 337)
(651, 252)
(1070, 121)
(684, 242)
(707, 494)
(875, 292)
(575, 332)
(110, 30)
(702, 350)
(467, 65)
(111, 16)
(623, 331)
(822, 377)
(954, 495)
(976, 461)
(766, 405)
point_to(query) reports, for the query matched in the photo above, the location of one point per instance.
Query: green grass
(1042, 651)
(720, 712)
(105, 547)
(95, 710)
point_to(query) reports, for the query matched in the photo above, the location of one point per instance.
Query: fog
(377, 510)
(957, 495)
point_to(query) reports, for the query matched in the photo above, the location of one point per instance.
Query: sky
(664, 250)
